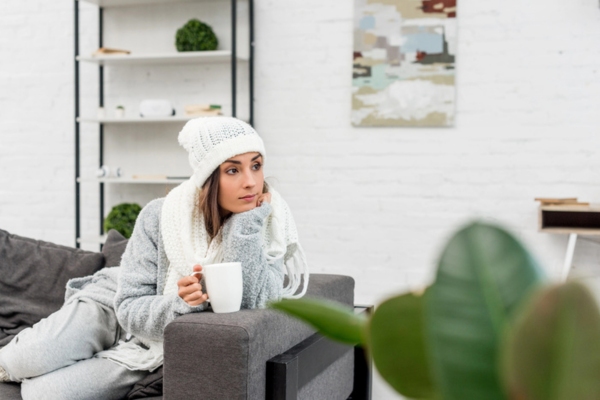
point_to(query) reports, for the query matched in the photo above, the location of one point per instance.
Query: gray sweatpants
(53, 359)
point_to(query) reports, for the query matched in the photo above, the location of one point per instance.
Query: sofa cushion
(34, 275)
(10, 391)
(113, 248)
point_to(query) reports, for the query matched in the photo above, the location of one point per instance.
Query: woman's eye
(229, 171)
(257, 166)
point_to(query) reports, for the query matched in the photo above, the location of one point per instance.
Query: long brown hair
(209, 203)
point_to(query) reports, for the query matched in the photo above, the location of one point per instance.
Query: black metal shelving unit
(234, 68)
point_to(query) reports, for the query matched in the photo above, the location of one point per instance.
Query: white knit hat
(212, 140)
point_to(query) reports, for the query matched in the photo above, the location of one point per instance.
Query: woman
(108, 334)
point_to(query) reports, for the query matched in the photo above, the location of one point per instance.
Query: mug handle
(196, 272)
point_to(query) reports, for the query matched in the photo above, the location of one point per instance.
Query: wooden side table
(572, 220)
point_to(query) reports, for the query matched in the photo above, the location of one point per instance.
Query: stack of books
(202, 110)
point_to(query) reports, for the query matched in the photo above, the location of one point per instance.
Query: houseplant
(195, 35)
(122, 218)
(489, 327)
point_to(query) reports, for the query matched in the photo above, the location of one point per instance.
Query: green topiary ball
(122, 218)
(196, 36)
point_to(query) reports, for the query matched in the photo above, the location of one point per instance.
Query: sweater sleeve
(139, 308)
(243, 242)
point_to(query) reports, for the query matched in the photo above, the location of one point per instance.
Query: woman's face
(241, 181)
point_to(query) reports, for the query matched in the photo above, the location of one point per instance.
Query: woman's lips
(249, 198)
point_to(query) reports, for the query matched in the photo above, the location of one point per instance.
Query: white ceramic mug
(224, 286)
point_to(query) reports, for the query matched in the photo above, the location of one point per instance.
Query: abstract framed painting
(404, 63)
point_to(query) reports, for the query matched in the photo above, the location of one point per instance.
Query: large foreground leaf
(397, 346)
(483, 274)
(329, 318)
(553, 352)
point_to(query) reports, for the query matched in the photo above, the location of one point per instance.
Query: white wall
(376, 204)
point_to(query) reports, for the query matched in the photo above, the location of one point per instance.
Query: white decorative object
(106, 172)
(119, 112)
(103, 171)
(156, 108)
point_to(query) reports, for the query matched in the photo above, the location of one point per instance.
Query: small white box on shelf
(156, 108)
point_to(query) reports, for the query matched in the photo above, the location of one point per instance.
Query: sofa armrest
(224, 356)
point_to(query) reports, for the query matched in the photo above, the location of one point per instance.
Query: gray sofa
(207, 355)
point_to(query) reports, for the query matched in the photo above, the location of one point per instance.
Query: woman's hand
(190, 289)
(263, 197)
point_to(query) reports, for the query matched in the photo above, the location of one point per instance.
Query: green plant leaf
(483, 275)
(330, 318)
(397, 345)
(553, 351)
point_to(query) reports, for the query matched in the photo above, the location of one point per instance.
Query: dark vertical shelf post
(101, 104)
(251, 61)
(77, 188)
(233, 57)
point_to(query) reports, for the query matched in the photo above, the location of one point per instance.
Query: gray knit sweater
(141, 310)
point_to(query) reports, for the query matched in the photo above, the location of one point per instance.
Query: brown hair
(209, 203)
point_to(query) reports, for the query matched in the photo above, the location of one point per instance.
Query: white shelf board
(123, 3)
(186, 57)
(135, 120)
(133, 181)
(140, 120)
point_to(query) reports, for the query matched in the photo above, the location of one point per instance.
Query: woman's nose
(249, 180)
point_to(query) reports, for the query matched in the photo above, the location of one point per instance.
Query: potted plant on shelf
(489, 327)
(122, 218)
(119, 111)
(195, 35)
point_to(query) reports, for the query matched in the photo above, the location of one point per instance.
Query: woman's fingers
(196, 298)
(190, 289)
(188, 280)
(263, 197)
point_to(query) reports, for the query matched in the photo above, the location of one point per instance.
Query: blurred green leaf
(553, 351)
(397, 345)
(330, 318)
(483, 274)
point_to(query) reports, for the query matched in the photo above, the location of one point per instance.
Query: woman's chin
(248, 207)
(242, 208)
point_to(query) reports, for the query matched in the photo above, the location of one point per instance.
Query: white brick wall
(376, 204)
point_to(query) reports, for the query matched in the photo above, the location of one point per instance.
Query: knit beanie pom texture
(212, 140)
